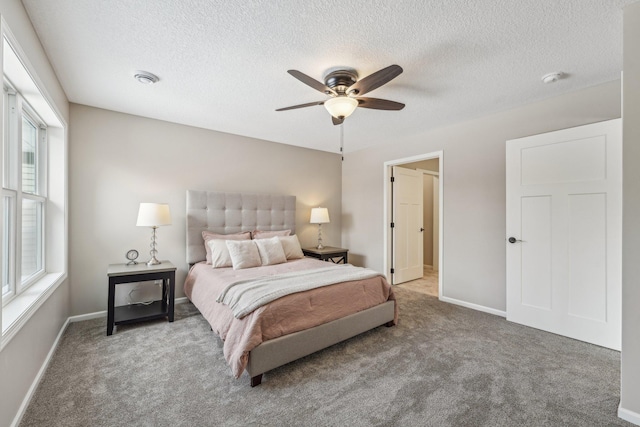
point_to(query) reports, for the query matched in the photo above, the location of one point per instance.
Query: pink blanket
(292, 313)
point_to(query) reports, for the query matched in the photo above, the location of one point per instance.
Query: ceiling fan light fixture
(341, 107)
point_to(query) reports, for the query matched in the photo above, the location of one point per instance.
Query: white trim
(36, 380)
(31, 299)
(99, 314)
(474, 306)
(386, 230)
(24, 58)
(627, 415)
(87, 316)
(441, 228)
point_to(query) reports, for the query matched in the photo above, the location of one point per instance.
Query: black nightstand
(328, 253)
(125, 273)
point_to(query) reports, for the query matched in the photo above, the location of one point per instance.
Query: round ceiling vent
(145, 77)
(552, 77)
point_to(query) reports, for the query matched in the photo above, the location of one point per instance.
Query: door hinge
(393, 179)
(393, 270)
(393, 225)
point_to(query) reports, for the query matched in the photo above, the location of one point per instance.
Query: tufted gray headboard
(227, 213)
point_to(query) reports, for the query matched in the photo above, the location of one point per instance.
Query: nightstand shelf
(328, 253)
(140, 312)
(127, 273)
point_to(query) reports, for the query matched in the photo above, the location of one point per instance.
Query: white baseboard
(627, 415)
(88, 316)
(36, 380)
(99, 314)
(474, 306)
(47, 360)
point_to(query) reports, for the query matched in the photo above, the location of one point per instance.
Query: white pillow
(244, 253)
(271, 251)
(291, 247)
(219, 253)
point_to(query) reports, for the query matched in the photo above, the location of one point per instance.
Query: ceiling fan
(345, 91)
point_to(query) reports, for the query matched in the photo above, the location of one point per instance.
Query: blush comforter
(291, 313)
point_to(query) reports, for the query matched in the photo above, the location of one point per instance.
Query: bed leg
(257, 380)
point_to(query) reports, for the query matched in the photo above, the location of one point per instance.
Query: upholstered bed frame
(226, 213)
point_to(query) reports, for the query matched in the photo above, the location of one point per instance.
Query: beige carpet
(427, 284)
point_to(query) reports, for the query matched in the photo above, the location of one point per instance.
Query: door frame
(387, 203)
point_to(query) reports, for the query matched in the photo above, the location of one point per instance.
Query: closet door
(564, 224)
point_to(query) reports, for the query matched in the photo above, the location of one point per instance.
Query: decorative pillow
(219, 253)
(257, 234)
(271, 251)
(208, 235)
(291, 246)
(244, 254)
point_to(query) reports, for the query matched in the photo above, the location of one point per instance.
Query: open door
(407, 227)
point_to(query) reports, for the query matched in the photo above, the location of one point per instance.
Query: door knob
(514, 240)
(421, 229)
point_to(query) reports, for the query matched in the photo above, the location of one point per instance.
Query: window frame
(53, 108)
(10, 235)
(18, 109)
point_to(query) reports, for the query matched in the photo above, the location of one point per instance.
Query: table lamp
(153, 215)
(319, 216)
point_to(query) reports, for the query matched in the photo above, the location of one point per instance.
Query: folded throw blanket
(244, 296)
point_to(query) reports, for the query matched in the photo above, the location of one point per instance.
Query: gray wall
(474, 189)
(630, 366)
(119, 160)
(23, 356)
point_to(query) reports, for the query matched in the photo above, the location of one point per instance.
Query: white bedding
(244, 296)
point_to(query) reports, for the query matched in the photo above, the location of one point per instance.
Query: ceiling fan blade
(310, 81)
(336, 121)
(379, 104)
(308, 104)
(375, 80)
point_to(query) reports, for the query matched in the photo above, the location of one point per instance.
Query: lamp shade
(319, 216)
(153, 215)
(341, 106)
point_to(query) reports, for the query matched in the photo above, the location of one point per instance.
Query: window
(24, 197)
(33, 171)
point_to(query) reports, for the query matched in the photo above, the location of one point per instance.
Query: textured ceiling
(223, 63)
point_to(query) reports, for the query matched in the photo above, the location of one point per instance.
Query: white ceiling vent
(552, 77)
(145, 77)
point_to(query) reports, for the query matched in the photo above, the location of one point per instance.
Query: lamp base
(153, 252)
(320, 245)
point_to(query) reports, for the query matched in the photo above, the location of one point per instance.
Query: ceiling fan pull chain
(342, 140)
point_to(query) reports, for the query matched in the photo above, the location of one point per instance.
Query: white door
(564, 225)
(407, 225)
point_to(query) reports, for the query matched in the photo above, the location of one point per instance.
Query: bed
(292, 326)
